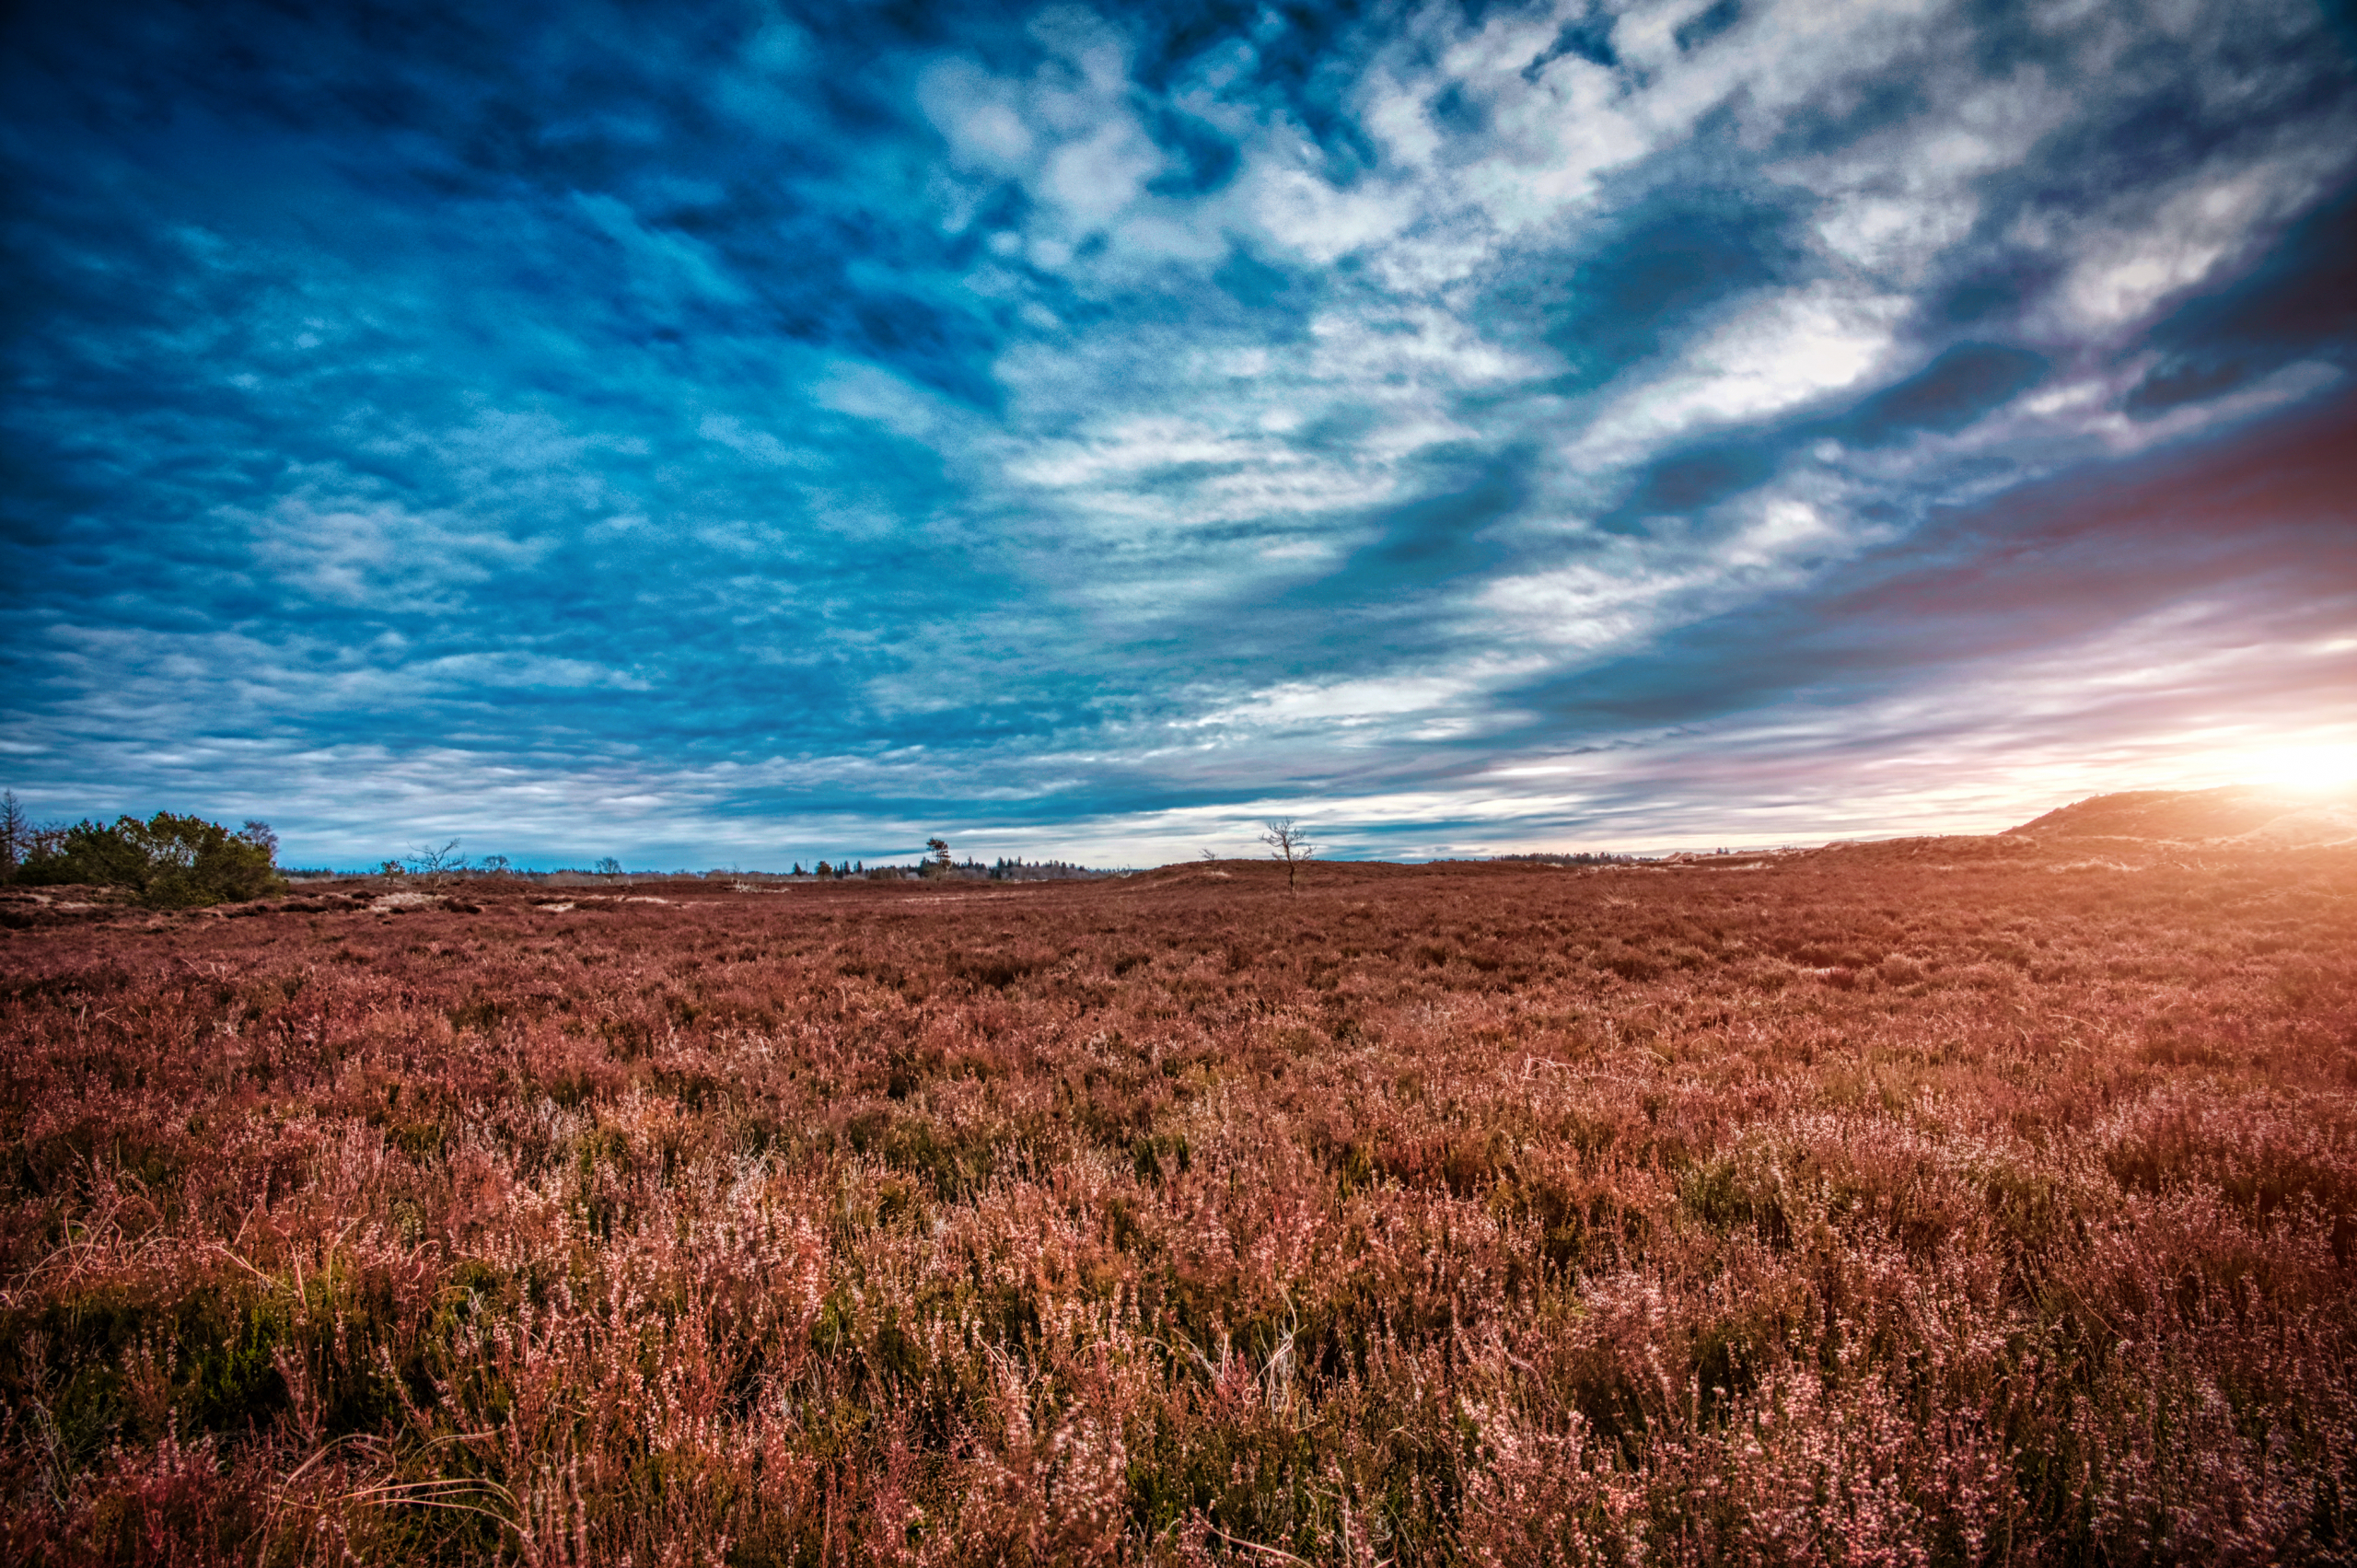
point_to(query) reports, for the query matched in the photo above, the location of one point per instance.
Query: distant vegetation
(176, 861)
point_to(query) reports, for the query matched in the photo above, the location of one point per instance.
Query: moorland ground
(1958, 1201)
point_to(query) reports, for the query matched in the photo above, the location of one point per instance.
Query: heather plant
(1920, 1204)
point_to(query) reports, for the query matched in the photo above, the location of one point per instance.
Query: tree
(1291, 844)
(938, 862)
(16, 835)
(496, 865)
(608, 867)
(435, 867)
(168, 862)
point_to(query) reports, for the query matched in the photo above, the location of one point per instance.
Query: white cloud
(977, 113)
(1782, 353)
(362, 552)
(1304, 215)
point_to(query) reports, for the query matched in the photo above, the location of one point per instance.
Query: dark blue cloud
(1310, 63)
(1999, 286)
(2301, 303)
(1678, 253)
(1202, 160)
(1254, 283)
(1696, 479)
(1444, 534)
(1962, 384)
(1714, 20)
(1587, 37)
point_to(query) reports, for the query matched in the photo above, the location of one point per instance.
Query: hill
(2249, 813)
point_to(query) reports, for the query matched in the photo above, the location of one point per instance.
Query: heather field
(1954, 1201)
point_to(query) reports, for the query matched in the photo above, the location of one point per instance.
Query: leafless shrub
(1290, 842)
(432, 867)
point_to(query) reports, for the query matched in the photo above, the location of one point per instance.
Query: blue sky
(732, 434)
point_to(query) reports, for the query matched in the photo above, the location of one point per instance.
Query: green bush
(170, 861)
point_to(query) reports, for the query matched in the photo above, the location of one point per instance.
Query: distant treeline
(1546, 858)
(169, 861)
(823, 871)
(446, 865)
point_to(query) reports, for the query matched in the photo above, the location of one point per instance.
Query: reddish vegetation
(1959, 1201)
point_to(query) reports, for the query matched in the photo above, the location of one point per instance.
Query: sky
(729, 434)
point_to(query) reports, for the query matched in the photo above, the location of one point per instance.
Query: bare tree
(608, 868)
(435, 867)
(1291, 843)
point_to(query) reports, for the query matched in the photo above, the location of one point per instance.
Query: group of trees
(165, 862)
(435, 867)
(1018, 869)
(939, 862)
(1582, 858)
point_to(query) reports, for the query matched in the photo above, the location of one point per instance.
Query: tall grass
(1870, 1207)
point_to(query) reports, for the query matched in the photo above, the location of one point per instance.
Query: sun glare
(2328, 769)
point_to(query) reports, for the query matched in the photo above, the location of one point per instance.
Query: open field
(1958, 1200)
